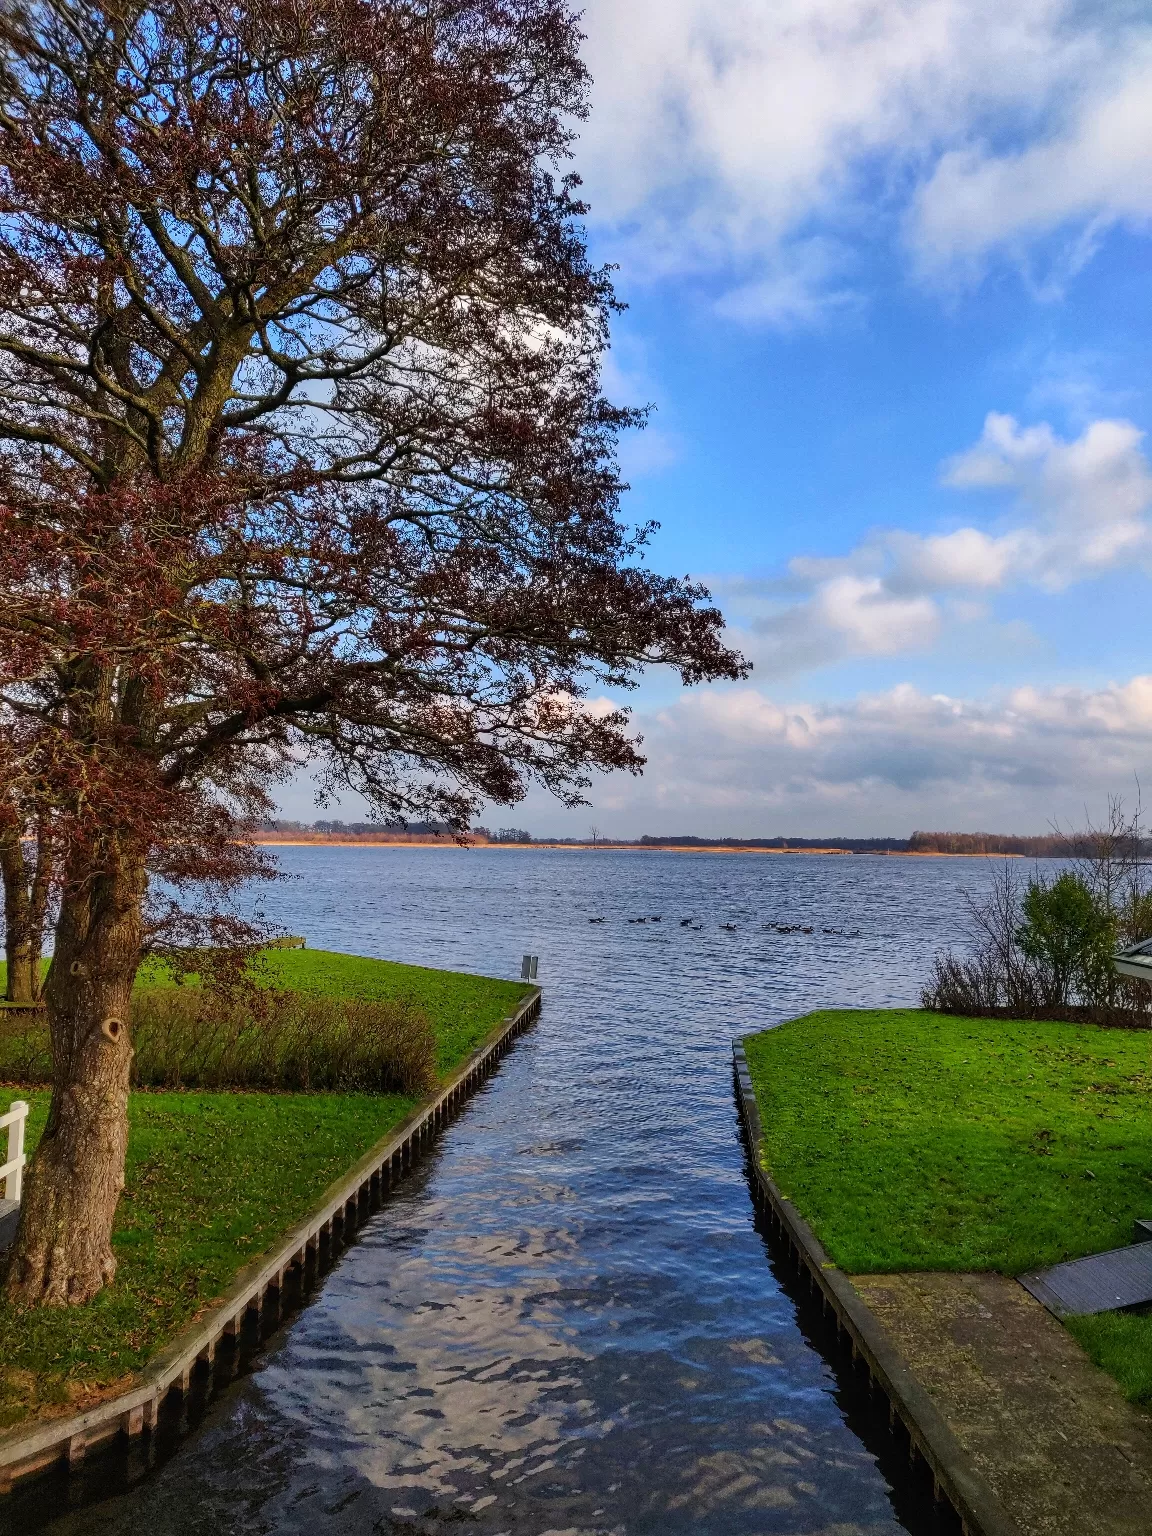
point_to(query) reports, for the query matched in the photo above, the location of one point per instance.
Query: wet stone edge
(955, 1478)
(206, 1356)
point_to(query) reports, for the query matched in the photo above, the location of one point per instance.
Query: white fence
(12, 1172)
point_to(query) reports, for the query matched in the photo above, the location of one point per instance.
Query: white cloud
(800, 284)
(760, 138)
(1095, 169)
(1081, 508)
(1089, 496)
(884, 762)
(731, 761)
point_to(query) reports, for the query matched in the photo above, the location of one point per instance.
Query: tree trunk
(63, 1250)
(21, 945)
(39, 892)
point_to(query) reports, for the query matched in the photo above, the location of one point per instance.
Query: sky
(888, 285)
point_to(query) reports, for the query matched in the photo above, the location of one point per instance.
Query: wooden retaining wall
(954, 1476)
(260, 1287)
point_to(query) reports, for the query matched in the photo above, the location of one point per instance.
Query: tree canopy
(299, 381)
(303, 457)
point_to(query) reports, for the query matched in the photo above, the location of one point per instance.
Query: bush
(192, 1037)
(25, 1054)
(1070, 938)
(1044, 949)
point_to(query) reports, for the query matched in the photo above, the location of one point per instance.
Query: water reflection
(564, 1323)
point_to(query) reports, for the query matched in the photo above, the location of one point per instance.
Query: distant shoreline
(447, 843)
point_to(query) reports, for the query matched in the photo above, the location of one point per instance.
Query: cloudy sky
(887, 267)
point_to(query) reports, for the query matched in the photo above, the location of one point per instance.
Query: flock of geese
(690, 922)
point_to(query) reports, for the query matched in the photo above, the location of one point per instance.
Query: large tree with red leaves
(304, 457)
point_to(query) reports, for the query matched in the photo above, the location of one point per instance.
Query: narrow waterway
(565, 1322)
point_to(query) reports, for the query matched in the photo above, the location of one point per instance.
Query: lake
(566, 1322)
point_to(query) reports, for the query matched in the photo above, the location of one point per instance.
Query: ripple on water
(564, 1323)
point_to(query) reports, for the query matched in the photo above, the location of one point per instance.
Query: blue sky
(887, 268)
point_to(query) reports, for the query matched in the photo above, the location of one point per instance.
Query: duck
(728, 927)
(595, 919)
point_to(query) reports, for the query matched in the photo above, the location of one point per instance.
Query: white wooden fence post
(13, 1169)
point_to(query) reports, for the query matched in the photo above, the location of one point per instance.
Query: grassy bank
(918, 1140)
(214, 1179)
(462, 1008)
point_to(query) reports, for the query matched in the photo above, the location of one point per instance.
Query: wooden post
(13, 1170)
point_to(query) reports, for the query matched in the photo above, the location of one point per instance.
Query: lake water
(565, 1322)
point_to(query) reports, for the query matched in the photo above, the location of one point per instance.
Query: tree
(304, 456)
(1068, 934)
(26, 871)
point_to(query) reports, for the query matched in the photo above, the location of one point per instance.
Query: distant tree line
(1056, 845)
(355, 828)
(850, 844)
(1052, 845)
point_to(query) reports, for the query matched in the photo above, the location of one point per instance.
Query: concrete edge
(955, 1476)
(25, 1451)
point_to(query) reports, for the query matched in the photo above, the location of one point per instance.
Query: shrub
(1043, 948)
(193, 1037)
(25, 1053)
(1070, 938)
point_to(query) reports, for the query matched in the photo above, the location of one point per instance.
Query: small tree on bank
(304, 458)
(1041, 944)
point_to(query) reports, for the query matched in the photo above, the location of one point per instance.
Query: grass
(277, 1041)
(463, 1009)
(214, 1179)
(295, 1048)
(914, 1140)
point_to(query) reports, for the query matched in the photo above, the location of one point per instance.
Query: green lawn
(213, 1179)
(916, 1140)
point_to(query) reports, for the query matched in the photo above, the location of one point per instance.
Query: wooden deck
(1103, 1282)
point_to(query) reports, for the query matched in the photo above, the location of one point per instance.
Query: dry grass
(191, 1037)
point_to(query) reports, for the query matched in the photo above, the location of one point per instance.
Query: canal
(566, 1321)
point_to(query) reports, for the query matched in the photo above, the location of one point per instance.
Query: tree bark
(63, 1250)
